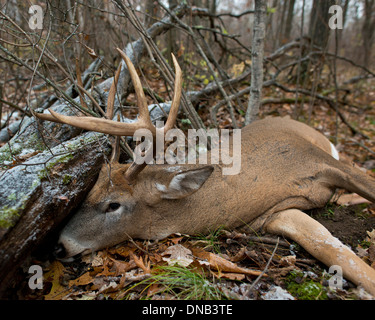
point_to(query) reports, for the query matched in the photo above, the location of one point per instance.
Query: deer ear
(185, 183)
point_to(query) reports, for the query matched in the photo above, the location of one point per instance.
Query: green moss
(66, 179)
(305, 289)
(8, 154)
(5, 154)
(8, 217)
(12, 197)
(63, 159)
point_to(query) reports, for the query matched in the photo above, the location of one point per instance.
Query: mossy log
(37, 195)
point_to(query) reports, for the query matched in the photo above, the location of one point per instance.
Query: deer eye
(113, 206)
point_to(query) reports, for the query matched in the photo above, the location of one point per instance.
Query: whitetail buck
(287, 167)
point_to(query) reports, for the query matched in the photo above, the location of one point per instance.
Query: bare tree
(368, 28)
(289, 20)
(259, 30)
(318, 28)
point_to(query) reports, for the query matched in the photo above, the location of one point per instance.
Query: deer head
(114, 210)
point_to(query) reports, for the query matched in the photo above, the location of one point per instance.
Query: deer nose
(59, 251)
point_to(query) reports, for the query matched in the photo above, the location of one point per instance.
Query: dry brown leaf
(371, 252)
(361, 252)
(122, 267)
(178, 255)
(54, 275)
(176, 240)
(153, 289)
(96, 260)
(83, 280)
(288, 261)
(371, 235)
(221, 264)
(107, 267)
(139, 262)
(109, 287)
(240, 255)
(122, 251)
(229, 275)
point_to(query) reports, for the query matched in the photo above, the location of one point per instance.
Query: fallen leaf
(54, 275)
(371, 234)
(95, 260)
(288, 261)
(84, 279)
(123, 266)
(229, 275)
(218, 263)
(178, 255)
(122, 251)
(240, 255)
(361, 252)
(153, 289)
(109, 287)
(176, 240)
(139, 262)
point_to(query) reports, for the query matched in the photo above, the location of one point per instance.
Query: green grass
(211, 240)
(179, 283)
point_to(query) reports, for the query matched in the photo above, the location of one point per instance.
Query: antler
(109, 126)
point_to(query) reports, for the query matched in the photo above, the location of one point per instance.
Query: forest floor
(222, 265)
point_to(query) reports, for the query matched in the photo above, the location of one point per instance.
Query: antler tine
(112, 95)
(135, 168)
(176, 96)
(144, 116)
(109, 126)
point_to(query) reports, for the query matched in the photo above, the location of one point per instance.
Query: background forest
(295, 64)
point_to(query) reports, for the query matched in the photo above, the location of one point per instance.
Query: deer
(287, 168)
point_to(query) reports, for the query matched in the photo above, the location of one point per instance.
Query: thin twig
(264, 270)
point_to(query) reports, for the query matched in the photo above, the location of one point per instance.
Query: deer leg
(320, 243)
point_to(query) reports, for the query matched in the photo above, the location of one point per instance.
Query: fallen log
(37, 195)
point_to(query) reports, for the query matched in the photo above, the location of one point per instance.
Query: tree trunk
(259, 30)
(318, 28)
(289, 20)
(280, 29)
(171, 36)
(319, 32)
(368, 30)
